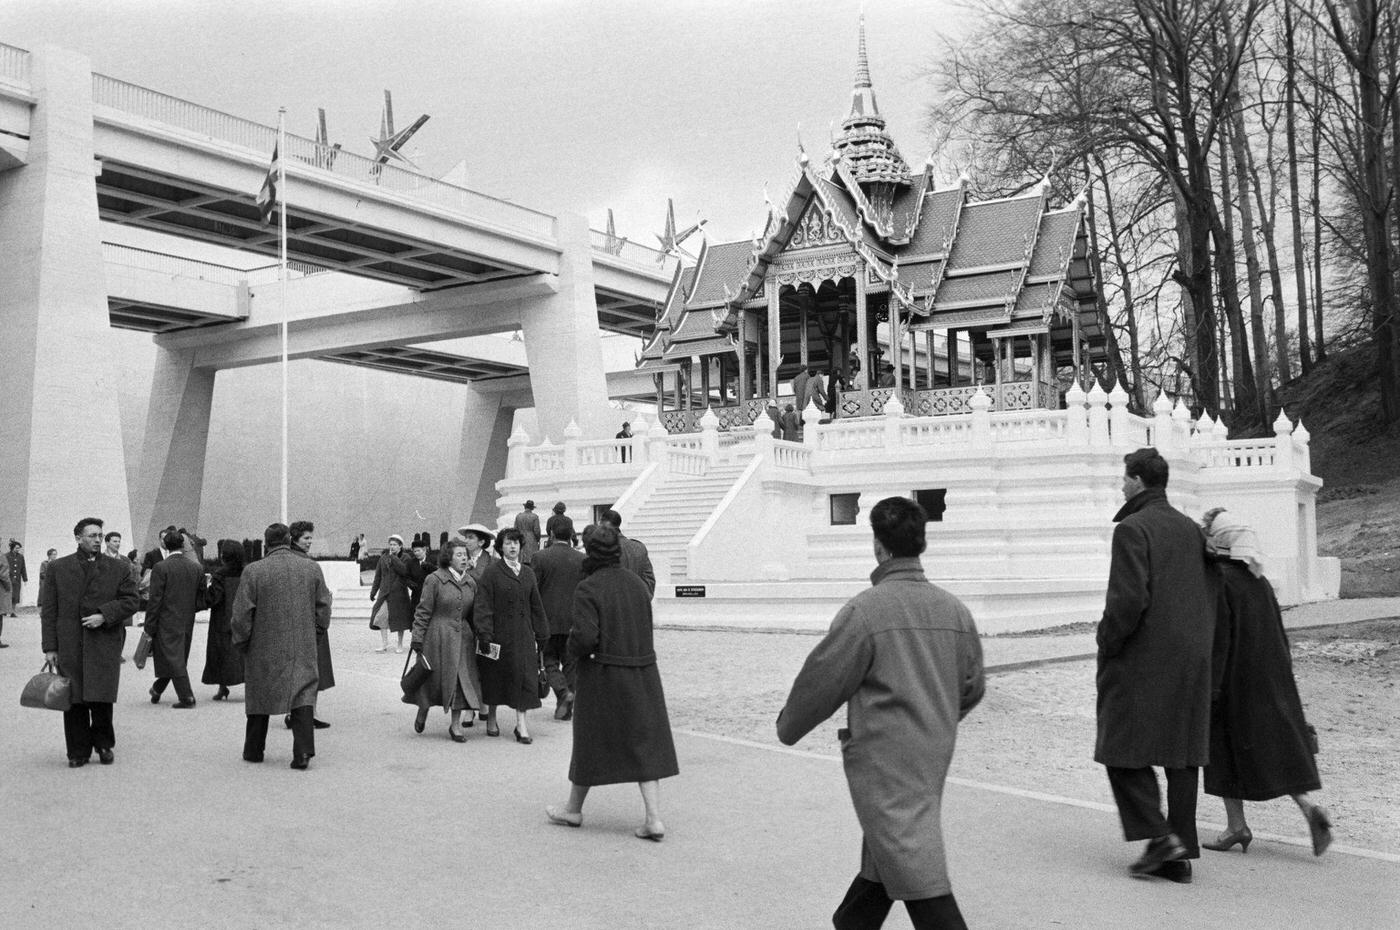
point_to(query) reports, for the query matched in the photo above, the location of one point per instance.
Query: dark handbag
(143, 650)
(544, 680)
(414, 677)
(48, 690)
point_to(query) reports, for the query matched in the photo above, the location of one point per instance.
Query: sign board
(690, 590)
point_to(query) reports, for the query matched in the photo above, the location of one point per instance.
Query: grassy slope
(1358, 513)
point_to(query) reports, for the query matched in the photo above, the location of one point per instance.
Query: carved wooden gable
(814, 229)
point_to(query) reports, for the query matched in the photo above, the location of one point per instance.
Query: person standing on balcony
(528, 523)
(624, 433)
(1154, 669)
(904, 658)
(792, 425)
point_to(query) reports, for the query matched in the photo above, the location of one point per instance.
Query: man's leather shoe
(1178, 871)
(4, 645)
(1161, 849)
(300, 761)
(249, 758)
(319, 724)
(564, 707)
(105, 756)
(77, 763)
(155, 695)
(182, 704)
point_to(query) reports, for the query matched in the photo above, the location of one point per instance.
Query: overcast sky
(560, 106)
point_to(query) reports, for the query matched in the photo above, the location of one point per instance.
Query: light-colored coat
(281, 602)
(905, 659)
(449, 643)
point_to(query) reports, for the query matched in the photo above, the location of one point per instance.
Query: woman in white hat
(1261, 747)
(478, 539)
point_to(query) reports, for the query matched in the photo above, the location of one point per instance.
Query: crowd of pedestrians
(1193, 667)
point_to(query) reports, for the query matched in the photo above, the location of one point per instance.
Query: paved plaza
(389, 828)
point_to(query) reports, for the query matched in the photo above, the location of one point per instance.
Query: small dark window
(844, 508)
(598, 511)
(934, 502)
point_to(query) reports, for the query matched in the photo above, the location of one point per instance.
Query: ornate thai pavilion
(883, 282)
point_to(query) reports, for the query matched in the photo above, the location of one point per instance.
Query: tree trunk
(1134, 387)
(1290, 71)
(1242, 387)
(1315, 202)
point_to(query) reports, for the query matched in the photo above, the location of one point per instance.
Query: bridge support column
(61, 456)
(486, 425)
(562, 344)
(169, 488)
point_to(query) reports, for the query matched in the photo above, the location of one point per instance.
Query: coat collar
(898, 569)
(1147, 497)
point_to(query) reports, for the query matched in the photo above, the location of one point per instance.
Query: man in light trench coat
(282, 602)
(905, 660)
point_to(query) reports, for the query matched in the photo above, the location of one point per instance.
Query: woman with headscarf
(1260, 745)
(392, 610)
(442, 632)
(223, 664)
(510, 615)
(621, 730)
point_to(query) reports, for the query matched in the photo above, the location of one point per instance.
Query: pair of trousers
(1139, 801)
(183, 691)
(867, 905)
(87, 727)
(303, 734)
(562, 670)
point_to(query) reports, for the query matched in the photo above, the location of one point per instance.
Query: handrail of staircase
(630, 503)
(14, 64)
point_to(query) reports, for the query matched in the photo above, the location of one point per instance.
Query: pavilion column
(862, 380)
(660, 379)
(705, 380)
(805, 303)
(1074, 340)
(744, 356)
(775, 351)
(950, 344)
(932, 359)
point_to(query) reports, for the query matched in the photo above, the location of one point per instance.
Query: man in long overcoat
(177, 593)
(904, 658)
(85, 601)
(558, 570)
(281, 604)
(635, 557)
(1154, 668)
(303, 535)
(528, 523)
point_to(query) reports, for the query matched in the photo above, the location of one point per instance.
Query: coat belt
(602, 658)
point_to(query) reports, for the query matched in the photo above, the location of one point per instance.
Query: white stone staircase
(674, 512)
(351, 603)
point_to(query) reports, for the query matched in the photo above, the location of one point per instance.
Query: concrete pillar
(562, 342)
(775, 350)
(487, 442)
(62, 455)
(170, 484)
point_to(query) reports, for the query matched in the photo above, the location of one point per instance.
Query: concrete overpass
(439, 262)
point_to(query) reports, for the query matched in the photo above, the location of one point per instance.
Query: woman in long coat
(510, 614)
(390, 590)
(1259, 742)
(442, 632)
(621, 730)
(223, 665)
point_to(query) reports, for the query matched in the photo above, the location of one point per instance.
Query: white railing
(1136, 432)
(211, 124)
(626, 252)
(173, 265)
(791, 455)
(544, 457)
(14, 64)
(692, 462)
(604, 452)
(935, 431)
(1028, 426)
(1238, 453)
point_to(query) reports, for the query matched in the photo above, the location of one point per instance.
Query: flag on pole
(267, 196)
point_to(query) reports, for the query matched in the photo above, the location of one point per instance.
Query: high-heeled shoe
(221, 694)
(527, 740)
(492, 729)
(420, 721)
(457, 737)
(562, 817)
(1225, 841)
(1320, 825)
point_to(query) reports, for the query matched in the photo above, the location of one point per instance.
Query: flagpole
(282, 281)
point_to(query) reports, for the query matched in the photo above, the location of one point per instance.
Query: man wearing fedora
(528, 523)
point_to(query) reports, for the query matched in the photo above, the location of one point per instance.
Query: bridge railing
(216, 125)
(14, 64)
(633, 253)
(173, 265)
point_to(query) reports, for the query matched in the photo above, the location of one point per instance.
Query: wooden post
(862, 380)
(744, 356)
(802, 318)
(705, 381)
(775, 349)
(950, 344)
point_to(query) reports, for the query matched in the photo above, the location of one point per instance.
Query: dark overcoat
(281, 604)
(621, 729)
(75, 587)
(904, 658)
(558, 570)
(223, 664)
(391, 580)
(19, 574)
(528, 523)
(176, 595)
(637, 560)
(1259, 746)
(325, 671)
(508, 611)
(1155, 640)
(442, 624)
(418, 572)
(478, 568)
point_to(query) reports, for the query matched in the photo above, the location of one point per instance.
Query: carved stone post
(981, 406)
(894, 412)
(1162, 423)
(709, 435)
(638, 442)
(656, 440)
(1099, 435)
(515, 457)
(1117, 414)
(811, 418)
(1076, 426)
(572, 432)
(1283, 441)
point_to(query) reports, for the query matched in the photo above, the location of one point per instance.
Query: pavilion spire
(863, 143)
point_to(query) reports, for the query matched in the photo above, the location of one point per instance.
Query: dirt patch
(1035, 727)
